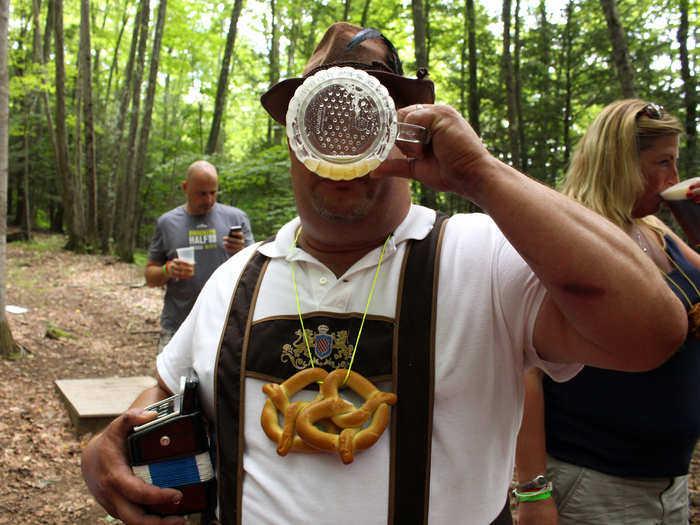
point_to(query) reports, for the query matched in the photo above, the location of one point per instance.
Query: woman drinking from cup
(616, 446)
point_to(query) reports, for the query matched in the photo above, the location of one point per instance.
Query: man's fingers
(132, 418)
(413, 150)
(136, 490)
(394, 168)
(130, 513)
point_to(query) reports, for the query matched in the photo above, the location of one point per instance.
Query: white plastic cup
(186, 254)
(686, 212)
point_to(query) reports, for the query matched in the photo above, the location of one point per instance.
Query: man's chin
(342, 212)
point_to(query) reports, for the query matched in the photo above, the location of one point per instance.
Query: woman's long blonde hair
(604, 172)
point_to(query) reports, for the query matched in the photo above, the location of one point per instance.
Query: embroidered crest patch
(330, 349)
(324, 342)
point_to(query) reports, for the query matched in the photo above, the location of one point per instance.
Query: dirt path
(112, 321)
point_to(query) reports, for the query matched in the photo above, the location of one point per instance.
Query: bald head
(201, 186)
(200, 167)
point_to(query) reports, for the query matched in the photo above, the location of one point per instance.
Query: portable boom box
(173, 451)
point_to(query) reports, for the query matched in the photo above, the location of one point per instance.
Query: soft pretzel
(278, 399)
(345, 415)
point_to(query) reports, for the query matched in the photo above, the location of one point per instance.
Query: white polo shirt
(488, 300)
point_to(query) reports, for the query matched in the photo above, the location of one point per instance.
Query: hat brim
(405, 91)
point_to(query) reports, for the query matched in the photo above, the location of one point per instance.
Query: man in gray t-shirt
(203, 224)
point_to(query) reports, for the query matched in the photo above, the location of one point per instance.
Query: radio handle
(190, 400)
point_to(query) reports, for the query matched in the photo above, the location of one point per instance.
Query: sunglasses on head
(651, 110)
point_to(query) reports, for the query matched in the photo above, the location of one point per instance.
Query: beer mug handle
(413, 133)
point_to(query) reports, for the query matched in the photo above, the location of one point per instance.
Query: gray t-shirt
(176, 229)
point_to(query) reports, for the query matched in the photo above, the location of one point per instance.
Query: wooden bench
(93, 403)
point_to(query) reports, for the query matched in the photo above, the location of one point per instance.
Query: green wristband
(536, 497)
(165, 270)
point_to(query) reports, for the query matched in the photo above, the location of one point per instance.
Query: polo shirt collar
(416, 225)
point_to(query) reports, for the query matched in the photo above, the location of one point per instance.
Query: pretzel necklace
(343, 423)
(346, 416)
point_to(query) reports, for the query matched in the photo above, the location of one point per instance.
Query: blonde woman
(614, 447)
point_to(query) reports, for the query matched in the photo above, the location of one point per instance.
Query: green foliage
(259, 185)
(161, 191)
(140, 258)
(43, 243)
(54, 332)
(554, 65)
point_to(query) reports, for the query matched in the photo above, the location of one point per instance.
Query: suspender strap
(229, 390)
(415, 364)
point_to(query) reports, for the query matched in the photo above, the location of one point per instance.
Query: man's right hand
(180, 269)
(109, 477)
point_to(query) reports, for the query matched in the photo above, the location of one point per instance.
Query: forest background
(110, 100)
(104, 103)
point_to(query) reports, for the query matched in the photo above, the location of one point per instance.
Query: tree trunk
(463, 62)
(30, 100)
(274, 133)
(106, 177)
(78, 133)
(26, 208)
(419, 33)
(222, 86)
(166, 114)
(511, 95)
(48, 32)
(549, 99)
(33, 96)
(71, 192)
(85, 67)
(346, 11)
(96, 66)
(43, 57)
(522, 147)
(7, 342)
(620, 53)
(146, 119)
(568, 88)
(118, 182)
(365, 13)
(427, 195)
(473, 98)
(689, 94)
(293, 38)
(115, 56)
(128, 210)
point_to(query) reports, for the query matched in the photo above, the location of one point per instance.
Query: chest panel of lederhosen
(276, 348)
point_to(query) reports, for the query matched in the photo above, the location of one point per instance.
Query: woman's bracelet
(165, 270)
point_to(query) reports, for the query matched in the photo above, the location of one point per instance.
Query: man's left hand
(234, 243)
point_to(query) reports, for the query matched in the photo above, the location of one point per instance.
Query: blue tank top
(643, 424)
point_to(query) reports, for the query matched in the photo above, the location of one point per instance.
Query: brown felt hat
(346, 44)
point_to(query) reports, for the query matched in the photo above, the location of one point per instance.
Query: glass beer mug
(341, 123)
